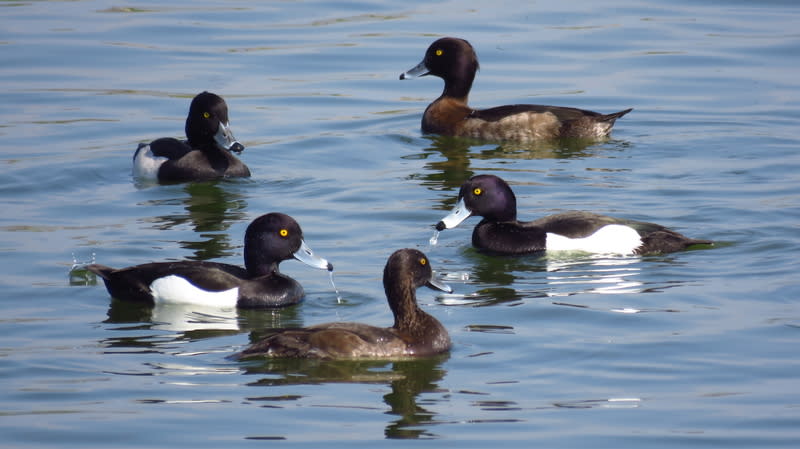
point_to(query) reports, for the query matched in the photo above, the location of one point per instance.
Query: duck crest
(205, 108)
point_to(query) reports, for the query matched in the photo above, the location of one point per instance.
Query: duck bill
(225, 140)
(419, 70)
(307, 256)
(455, 217)
(438, 285)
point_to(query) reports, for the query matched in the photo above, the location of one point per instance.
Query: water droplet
(338, 296)
(434, 238)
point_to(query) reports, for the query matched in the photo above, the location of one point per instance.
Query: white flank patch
(146, 165)
(177, 290)
(610, 239)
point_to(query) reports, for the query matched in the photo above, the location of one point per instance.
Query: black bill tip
(236, 147)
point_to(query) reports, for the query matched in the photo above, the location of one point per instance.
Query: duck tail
(100, 270)
(611, 118)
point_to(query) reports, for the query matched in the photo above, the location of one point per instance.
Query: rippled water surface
(698, 348)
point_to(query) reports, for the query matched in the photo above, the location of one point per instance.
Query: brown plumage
(454, 60)
(414, 332)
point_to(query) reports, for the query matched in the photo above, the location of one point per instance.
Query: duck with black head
(500, 232)
(454, 60)
(414, 333)
(269, 240)
(205, 154)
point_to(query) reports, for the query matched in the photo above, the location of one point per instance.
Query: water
(688, 349)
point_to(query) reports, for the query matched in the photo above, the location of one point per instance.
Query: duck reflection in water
(210, 208)
(157, 328)
(459, 155)
(407, 379)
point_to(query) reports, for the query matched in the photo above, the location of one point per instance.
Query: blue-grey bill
(439, 285)
(307, 256)
(225, 140)
(459, 213)
(418, 70)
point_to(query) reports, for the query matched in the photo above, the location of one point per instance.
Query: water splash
(78, 265)
(338, 295)
(434, 238)
(78, 274)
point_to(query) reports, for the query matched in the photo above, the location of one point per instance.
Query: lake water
(693, 349)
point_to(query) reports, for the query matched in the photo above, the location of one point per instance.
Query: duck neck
(257, 265)
(403, 302)
(506, 216)
(459, 86)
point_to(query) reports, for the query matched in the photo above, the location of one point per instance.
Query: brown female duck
(454, 60)
(414, 332)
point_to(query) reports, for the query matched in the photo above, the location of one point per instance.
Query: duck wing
(500, 112)
(329, 341)
(170, 148)
(133, 283)
(579, 224)
(553, 121)
(656, 239)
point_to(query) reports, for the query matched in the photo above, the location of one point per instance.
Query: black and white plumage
(500, 232)
(269, 240)
(205, 154)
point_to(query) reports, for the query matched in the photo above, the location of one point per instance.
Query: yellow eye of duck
(206, 115)
(477, 191)
(439, 52)
(283, 232)
(423, 261)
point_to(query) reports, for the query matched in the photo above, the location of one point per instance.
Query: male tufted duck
(454, 61)
(205, 154)
(414, 333)
(500, 232)
(269, 240)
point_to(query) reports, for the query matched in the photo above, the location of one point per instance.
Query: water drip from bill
(338, 295)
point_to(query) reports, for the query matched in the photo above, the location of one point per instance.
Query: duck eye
(477, 191)
(283, 232)
(423, 261)
(206, 115)
(439, 52)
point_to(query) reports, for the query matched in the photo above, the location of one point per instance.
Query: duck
(414, 333)
(205, 154)
(269, 240)
(501, 233)
(454, 60)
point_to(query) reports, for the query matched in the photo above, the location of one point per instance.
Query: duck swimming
(205, 154)
(414, 332)
(454, 60)
(500, 232)
(269, 240)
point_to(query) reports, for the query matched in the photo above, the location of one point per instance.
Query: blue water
(698, 348)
